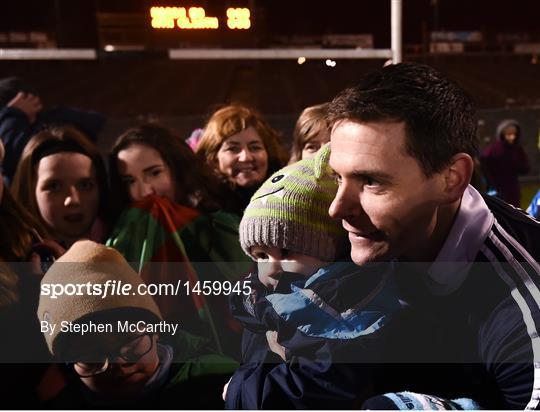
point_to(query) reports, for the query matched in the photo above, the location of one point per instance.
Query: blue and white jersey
(481, 300)
(467, 327)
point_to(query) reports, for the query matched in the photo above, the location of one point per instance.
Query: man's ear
(457, 176)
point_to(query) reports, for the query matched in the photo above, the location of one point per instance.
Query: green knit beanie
(290, 211)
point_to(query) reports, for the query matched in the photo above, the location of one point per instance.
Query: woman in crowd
(242, 149)
(61, 179)
(172, 213)
(310, 133)
(176, 173)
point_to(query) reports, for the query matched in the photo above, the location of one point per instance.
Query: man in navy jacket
(466, 266)
(402, 144)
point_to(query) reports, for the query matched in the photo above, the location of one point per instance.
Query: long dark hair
(196, 184)
(19, 231)
(65, 138)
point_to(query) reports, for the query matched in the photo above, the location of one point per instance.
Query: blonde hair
(231, 120)
(310, 124)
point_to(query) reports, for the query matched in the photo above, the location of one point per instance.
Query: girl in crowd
(61, 180)
(242, 149)
(21, 242)
(171, 203)
(310, 133)
(150, 160)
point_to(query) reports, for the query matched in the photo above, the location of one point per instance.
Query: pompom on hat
(89, 262)
(290, 211)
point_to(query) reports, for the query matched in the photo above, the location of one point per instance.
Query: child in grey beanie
(312, 312)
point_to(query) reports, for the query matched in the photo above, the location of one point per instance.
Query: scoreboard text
(187, 18)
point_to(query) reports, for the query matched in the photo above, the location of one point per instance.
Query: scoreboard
(207, 24)
(184, 18)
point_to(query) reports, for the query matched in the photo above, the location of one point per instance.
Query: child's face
(311, 148)
(272, 262)
(132, 360)
(144, 172)
(67, 194)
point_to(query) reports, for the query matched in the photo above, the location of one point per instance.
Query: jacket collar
(467, 235)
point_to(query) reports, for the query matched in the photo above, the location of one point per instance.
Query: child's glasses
(131, 351)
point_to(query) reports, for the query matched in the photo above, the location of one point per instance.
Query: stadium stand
(182, 93)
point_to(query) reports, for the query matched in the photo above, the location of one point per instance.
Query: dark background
(74, 21)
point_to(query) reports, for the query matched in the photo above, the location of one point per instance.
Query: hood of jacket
(507, 123)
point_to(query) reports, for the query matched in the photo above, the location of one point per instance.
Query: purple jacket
(503, 162)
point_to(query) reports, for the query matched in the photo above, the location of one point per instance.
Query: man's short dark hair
(439, 116)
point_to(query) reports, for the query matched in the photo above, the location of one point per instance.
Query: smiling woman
(149, 159)
(144, 172)
(242, 149)
(243, 158)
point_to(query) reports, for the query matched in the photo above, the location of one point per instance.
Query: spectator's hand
(28, 103)
(45, 253)
(224, 394)
(271, 337)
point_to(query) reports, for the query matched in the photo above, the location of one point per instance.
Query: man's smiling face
(385, 201)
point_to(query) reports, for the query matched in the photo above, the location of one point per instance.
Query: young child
(61, 180)
(311, 132)
(314, 323)
(153, 365)
(312, 317)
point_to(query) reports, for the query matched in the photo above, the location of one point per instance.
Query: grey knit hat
(290, 211)
(89, 262)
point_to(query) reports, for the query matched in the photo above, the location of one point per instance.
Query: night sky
(290, 17)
